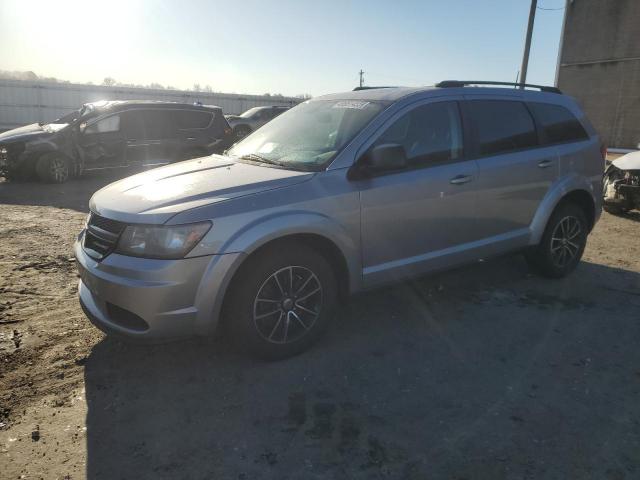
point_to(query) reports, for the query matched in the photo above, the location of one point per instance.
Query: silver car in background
(341, 193)
(245, 123)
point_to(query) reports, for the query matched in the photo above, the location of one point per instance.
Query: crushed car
(622, 184)
(111, 134)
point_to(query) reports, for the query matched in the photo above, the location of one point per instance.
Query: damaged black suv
(112, 134)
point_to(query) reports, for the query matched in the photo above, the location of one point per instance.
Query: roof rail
(464, 83)
(369, 88)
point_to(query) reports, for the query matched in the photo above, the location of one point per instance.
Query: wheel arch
(319, 243)
(585, 201)
(572, 190)
(314, 230)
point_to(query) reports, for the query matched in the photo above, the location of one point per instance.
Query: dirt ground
(486, 372)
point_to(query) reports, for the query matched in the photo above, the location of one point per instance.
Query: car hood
(630, 161)
(23, 133)
(234, 119)
(155, 196)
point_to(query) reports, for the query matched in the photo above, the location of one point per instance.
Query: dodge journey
(341, 193)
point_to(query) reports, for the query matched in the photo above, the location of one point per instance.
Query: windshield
(310, 135)
(251, 112)
(73, 116)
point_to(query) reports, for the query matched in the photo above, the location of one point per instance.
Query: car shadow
(74, 194)
(631, 215)
(483, 372)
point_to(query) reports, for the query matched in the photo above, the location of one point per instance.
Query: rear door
(102, 142)
(515, 170)
(560, 127)
(421, 217)
(150, 135)
(196, 132)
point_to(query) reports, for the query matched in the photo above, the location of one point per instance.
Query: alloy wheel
(58, 169)
(565, 241)
(287, 305)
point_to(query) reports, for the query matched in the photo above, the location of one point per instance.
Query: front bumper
(154, 300)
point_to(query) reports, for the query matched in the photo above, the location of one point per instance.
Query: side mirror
(382, 158)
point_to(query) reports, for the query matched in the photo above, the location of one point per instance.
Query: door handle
(545, 163)
(460, 179)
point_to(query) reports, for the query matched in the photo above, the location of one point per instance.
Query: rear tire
(282, 301)
(53, 168)
(562, 243)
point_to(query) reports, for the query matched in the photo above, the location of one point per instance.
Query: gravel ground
(486, 372)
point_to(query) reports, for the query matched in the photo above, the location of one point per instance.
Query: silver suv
(341, 193)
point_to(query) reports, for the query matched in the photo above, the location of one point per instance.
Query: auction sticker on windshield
(358, 105)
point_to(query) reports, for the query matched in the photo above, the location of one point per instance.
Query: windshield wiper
(257, 158)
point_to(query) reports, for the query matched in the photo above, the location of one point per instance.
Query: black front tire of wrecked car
(53, 168)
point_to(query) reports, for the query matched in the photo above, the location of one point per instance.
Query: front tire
(241, 131)
(53, 168)
(562, 243)
(282, 301)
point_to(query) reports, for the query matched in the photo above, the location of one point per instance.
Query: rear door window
(558, 124)
(148, 124)
(190, 119)
(502, 126)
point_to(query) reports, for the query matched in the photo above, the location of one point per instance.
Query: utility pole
(527, 43)
(361, 72)
(564, 26)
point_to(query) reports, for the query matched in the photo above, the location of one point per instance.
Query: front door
(102, 142)
(422, 217)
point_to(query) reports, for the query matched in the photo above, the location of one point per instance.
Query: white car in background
(622, 184)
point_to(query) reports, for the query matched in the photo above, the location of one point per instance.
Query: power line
(550, 9)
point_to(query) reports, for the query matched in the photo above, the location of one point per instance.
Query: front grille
(101, 236)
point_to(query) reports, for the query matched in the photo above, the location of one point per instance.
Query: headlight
(169, 242)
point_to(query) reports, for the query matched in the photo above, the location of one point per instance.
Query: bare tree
(109, 82)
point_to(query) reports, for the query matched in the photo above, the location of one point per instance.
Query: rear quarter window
(557, 123)
(189, 119)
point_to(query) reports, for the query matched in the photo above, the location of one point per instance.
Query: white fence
(25, 102)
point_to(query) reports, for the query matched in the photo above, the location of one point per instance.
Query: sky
(278, 46)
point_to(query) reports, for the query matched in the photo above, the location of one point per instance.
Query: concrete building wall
(600, 66)
(25, 102)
